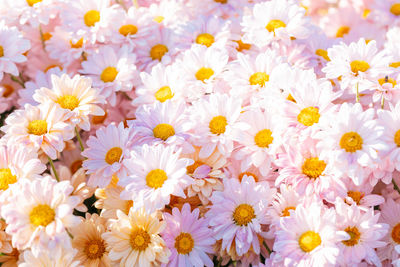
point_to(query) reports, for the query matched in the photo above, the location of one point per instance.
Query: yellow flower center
(8, 90)
(113, 155)
(387, 80)
(53, 66)
(248, 174)
(322, 53)
(163, 94)
(99, 119)
(263, 138)
(68, 102)
(158, 19)
(6, 178)
(156, 178)
(191, 168)
(221, 1)
(243, 214)
(309, 240)
(158, 51)
(128, 206)
(109, 74)
(42, 215)
(37, 127)
(76, 45)
(242, 46)
(1, 51)
(395, 64)
(204, 74)
(395, 9)
(366, 13)
(218, 125)
(308, 116)
(286, 213)
(342, 31)
(76, 165)
(354, 236)
(396, 233)
(184, 243)
(259, 78)
(32, 2)
(163, 131)
(46, 36)
(397, 138)
(351, 142)
(275, 24)
(359, 65)
(91, 17)
(313, 167)
(356, 196)
(128, 29)
(139, 240)
(205, 39)
(94, 249)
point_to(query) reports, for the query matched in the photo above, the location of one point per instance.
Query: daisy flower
(389, 210)
(206, 173)
(351, 140)
(38, 212)
(188, 237)
(217, 116)
(88, 19)
(308, 237)
(276, 20)
(385, 12)
(169, 13)
(75, 95)
(111, 70)
(134, 239)
(89, 243)
(31, 12)
(161, 84)
(155, 172)
(260, 142)
(200, 67)
(238, 212)
(107, 154)
(364, 234)
(59, 257)
(355, 64)
(12, 47)
(110, 201)
(166, 122)
(43, 127)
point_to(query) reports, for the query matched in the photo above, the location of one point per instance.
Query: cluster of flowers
(200, 132)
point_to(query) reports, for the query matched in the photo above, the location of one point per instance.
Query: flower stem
(266, 246)
(396, 187)
(357, 94)
(53, 168)
(17, 80)
(79, 138)
(382, 102)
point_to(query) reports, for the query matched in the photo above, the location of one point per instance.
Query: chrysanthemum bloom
(218, 119)
(37, 213)
(385, 12)
(111, 70)
(364, 234)
(75, 95)
(18, 162)
(308, 237)
(355, 64)
(169, 13)
(389, 211)
(199, 68)
(12, 47)
(78, 181)
(238, 213)
(275, 20)
(109, 201)
(161, 84)
(88, 241)
(88, 19)
(351, 139)
(206, 173)
(166, 122)
(44, 127)
(134, 239)
(59, 257)
(188, 237)
(106, 154)
(205, 30)
(260, 142)
(155, 172)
